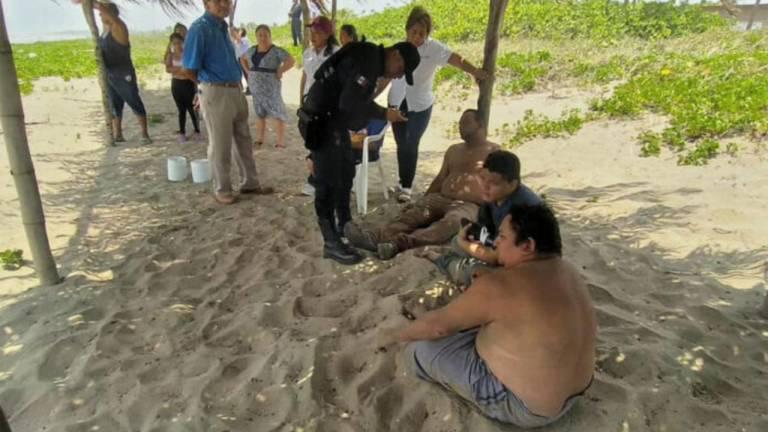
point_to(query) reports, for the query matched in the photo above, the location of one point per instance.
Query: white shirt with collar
(312, 62)
(419, 96)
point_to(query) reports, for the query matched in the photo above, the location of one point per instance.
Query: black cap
(411, 59)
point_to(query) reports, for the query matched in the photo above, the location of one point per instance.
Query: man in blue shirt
(502, 190)
(209, 58)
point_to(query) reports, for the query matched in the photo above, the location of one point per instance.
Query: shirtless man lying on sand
(519, 344)
(454, 194)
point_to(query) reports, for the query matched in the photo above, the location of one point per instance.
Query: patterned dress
(263, 82)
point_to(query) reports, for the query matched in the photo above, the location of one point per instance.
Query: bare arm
(476, 250)
(470, 309)
(458, 62)
(437, 183)
(301, 87)
(286, 66)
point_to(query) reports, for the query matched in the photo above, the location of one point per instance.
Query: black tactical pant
(334, 172)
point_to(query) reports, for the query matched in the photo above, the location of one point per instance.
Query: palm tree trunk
(752, 15)
(22, 169)
(232, 14)
(305, 13)
(495, 22)
(333, 11)
(91, 20)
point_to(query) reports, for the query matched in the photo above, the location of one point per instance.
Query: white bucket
(177, 168)
(201, 171)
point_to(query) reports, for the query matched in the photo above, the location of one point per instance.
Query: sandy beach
(178, 314)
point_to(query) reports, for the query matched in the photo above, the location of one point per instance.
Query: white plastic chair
(361, 173)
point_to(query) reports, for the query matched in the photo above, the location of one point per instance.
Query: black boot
(334, 248)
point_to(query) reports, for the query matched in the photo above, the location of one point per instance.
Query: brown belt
(223, 84)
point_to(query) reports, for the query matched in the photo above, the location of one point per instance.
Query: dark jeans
(334, 172)
(407, 136)
(122, 90)
(296, 31)
(183, 92)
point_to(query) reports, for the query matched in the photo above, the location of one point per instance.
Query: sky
(32, 20)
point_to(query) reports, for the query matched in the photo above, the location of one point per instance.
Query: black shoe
(341, 253)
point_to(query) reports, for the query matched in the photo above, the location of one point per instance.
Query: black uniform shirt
(345, 85)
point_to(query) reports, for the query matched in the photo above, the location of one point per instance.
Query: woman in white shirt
(416, 101)
(324, 44)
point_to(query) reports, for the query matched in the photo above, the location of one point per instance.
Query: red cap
(321, 23)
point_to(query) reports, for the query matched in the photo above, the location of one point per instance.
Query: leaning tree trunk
(752, 15)
(305, 17)
(22, 169)
(232, 14)
(91, 20)
(333, 11)
(495, 22)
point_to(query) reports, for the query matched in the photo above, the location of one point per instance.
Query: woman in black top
(121, 75)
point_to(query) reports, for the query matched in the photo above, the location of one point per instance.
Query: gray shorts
(454, 363)
(458, 266)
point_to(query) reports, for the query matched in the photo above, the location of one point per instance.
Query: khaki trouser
(225, 112)
(432, 220)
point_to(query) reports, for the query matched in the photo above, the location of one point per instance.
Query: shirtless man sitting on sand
(519, 344)
(454, 194)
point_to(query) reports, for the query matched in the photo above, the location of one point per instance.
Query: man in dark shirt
(502, 190)
(340, 100)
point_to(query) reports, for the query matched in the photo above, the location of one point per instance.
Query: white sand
(181, 315)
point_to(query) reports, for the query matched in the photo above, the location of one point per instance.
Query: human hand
(196, 102)
(279, 75)
(462, 239)
(395, 116)
(480, 75)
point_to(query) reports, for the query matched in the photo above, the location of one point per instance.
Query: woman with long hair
(183, 89)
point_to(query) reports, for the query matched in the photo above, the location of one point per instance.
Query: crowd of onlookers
(518, 343)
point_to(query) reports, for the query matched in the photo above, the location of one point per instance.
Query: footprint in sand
(60, 357)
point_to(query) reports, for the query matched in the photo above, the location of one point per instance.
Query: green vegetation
(11, 259)
(74, 58)
(533, 126)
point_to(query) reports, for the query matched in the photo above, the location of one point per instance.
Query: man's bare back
(541, 339)
(463, 164)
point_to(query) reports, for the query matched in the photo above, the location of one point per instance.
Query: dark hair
(176, 36)
(113, 9)
(177, 26)
(419, 15)
(244, 32)
(351, 31)
(332, 41)
(262, 27)
(504, 163)
(477, 115)
(537, 222)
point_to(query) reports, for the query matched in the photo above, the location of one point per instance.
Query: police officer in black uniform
(340, 100)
